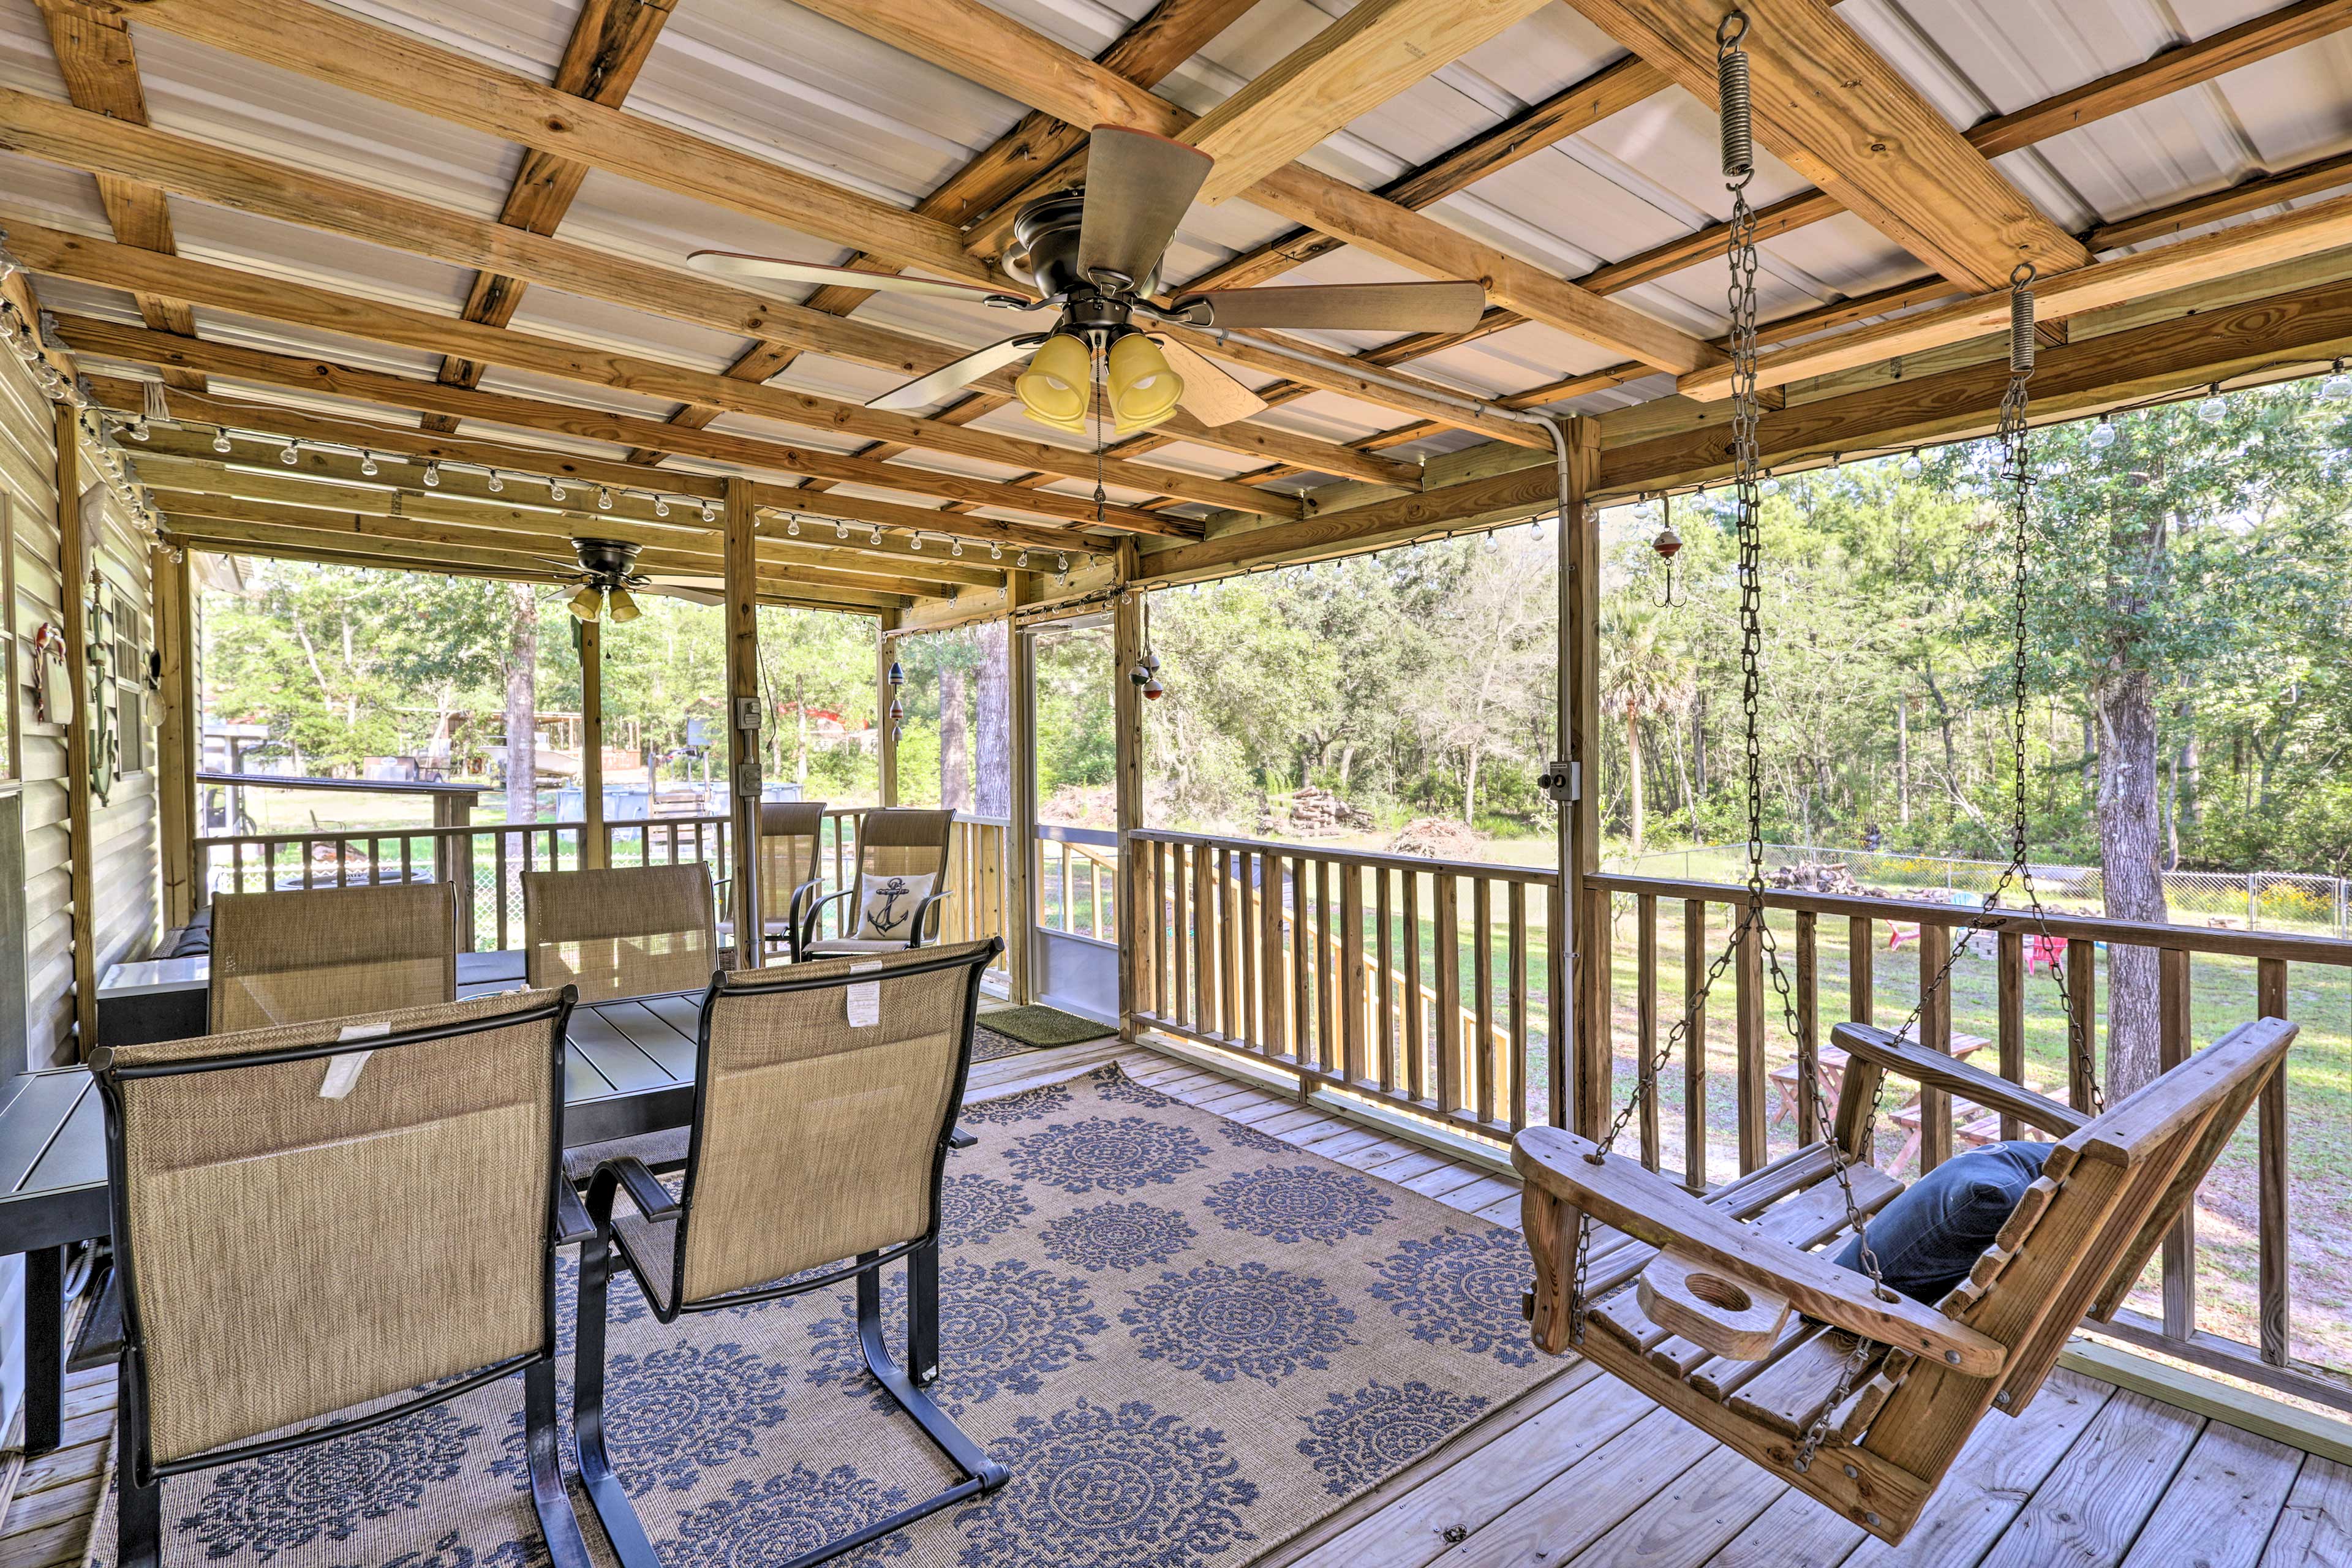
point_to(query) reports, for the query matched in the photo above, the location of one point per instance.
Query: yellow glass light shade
(1131, 426)
(1075, 426)
(1053, 387)
(1143, 390)
(623, 608)
(587, 604)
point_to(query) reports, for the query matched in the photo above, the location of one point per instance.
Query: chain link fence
(2240, 900)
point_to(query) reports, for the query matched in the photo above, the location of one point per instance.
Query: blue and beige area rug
(1187, 1340)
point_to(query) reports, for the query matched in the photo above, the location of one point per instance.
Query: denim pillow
(1929, 1238)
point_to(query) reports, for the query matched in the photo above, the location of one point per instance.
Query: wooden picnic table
(1832, 1062)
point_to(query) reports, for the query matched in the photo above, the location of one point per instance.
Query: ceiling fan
(1094, 256)
(605, 571)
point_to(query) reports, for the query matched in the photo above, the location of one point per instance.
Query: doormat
(1042, 1027)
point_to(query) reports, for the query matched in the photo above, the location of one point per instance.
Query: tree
(1643, 675)
(522, 704)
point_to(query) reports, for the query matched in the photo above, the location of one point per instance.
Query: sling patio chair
(295, 957)
(324, 1228)
(824, 1097)
(638, 931)
(902, 863)
(792, 868)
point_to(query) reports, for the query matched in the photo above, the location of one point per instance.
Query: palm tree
(1644, 672)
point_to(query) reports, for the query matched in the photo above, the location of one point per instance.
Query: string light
(291, 455)
(996, 553)
(874, 538)
(432, 474)
(2103, 434)
(661, 506)
(1911, 465)
(555, 490)
(220, 441)
(139, 429)
(1022, 560)
(956, 548)
(603, 499)
(1062, 564)
(709, 513)
(2214, 410)
(367, 463)
(915, 542)
(497, 484)
(2338, 385)
(840, 529)
(793, 527)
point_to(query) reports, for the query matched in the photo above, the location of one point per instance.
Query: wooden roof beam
(403, 69)
(1377, 50)
(2305, 231)
(107, 339)
(986, 47)
(58, 254)
(1841, 117)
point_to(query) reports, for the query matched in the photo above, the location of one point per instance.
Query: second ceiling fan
(1094, 256)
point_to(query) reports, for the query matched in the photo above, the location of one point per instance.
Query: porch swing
(1720, 1308)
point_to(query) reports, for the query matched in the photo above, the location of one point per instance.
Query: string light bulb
(1022, 560)
(1062, 564)
(220, 441)
(996, 553)
(915, 541)
(432, 474)
(709, 513)
(840, 529)
(2214, 410)
(874, 538)
(956, 548)
(2338, 384)
(367, 463)
(291, 455)
(661, 506)
(2103, 434)
(793, 527)
(555, 490)
(603, 499)
(1911, 465)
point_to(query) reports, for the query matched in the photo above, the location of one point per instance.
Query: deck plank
(1682, 1526)
(2314, 1530)
(2092, 1507)
(1584, 1502)
(2219, 1510)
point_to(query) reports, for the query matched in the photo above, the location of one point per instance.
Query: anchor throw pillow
(888, 911)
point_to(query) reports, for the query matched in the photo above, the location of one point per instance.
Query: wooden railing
(489, 860)
(1708, 912)
(1076, 880)
(1411, 982)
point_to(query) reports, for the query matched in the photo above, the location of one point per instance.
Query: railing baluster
(1936, 1033)
(1694, 961)
(2179, 1270)
(2008, 951)
(2271, 1154)
(309, 861)
(1416, 1014)
(1328, 1057)
(2083, 1003)
(1354, 990)
(1273, 975)
(1384, 989)
(1230, 944)
(1302, 971)
(1808, 1020)
(1205, 940)
(1245, 944)
(1645, 1020)
(1748, 1011)
(1515, 1076)
(1448, 978)
(1181, 896)
(1482, 977)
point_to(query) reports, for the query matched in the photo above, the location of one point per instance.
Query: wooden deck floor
(1582, 1473)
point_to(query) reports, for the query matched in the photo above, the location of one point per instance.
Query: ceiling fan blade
(1210, 395)
(690, 589)
(958, 373)
(735, 264)
(1351, 307)
(1138, 186)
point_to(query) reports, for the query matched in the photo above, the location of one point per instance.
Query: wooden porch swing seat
(1722, 1309)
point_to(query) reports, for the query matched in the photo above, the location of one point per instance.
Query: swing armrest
(1648, 1206)
(1931, 1068)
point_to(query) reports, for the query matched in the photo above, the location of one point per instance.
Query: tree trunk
(2129, 847)
(800, 733)
(1902, 760)
(1470, 789)
(992, 758)
(955, 740)
(1633, 773)
(522, 706)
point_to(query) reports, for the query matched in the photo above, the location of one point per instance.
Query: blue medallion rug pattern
(1187, 1341)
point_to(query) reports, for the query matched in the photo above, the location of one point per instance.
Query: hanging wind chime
(1668, 544)
(1146, 671)
(898, 678)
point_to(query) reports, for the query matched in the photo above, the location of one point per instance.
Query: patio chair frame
(811, 883)
(926, 913)
(139, 1490)
(977, 1473)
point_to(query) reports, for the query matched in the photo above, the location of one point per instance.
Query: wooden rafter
(2306, 231)
(983, 46)
(2293, 183)
(62, 134)
(1355, 64)
(100, 66)
(56, 253)
(1838, 115)
(609, 43)
(107, 339)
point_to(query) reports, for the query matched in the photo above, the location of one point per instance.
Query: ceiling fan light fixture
(1122, 427)
(1054, 386)
(625, 608)
(1075, 426)
(1143, 390)
(587, 604)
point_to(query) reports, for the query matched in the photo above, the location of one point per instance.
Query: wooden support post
(742, 586)
(178, 719)
(593, 854)
(1580, 743)
(1021, 833)
(885, 730)
(74, 565)
(1126, 727)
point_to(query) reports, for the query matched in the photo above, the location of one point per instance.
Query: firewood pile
(1816, 876)
(1312, 813)
(1438, 837)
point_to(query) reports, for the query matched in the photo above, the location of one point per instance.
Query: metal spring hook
(2021, 320)
(1732, 90)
